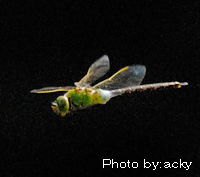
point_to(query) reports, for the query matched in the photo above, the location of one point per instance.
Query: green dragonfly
(82, 95)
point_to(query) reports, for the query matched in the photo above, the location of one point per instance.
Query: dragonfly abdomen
(148, 87)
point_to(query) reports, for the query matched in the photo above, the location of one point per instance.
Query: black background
(53, 44)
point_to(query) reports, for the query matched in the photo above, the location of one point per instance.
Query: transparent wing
(96, 70)
(125, 77)
(53, 89)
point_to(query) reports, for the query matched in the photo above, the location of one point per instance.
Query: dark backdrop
(53, 43)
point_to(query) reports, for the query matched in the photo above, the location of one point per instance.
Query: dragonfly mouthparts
(53, 103)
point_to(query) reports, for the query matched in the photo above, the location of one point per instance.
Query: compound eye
(62, 102)
(61, 105)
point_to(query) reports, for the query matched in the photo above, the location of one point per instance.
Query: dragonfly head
(61, 105)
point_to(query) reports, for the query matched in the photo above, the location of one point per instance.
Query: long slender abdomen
(148, 87)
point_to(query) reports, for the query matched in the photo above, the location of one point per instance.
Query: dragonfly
(83, 94)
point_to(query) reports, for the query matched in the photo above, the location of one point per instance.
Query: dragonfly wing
(125, 77)
(96, 70)
(53, 89)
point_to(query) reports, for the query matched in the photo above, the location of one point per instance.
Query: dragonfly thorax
(83, 97)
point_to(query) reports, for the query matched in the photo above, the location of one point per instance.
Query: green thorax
(82, 97)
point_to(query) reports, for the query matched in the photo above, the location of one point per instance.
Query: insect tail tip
(184, 83)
